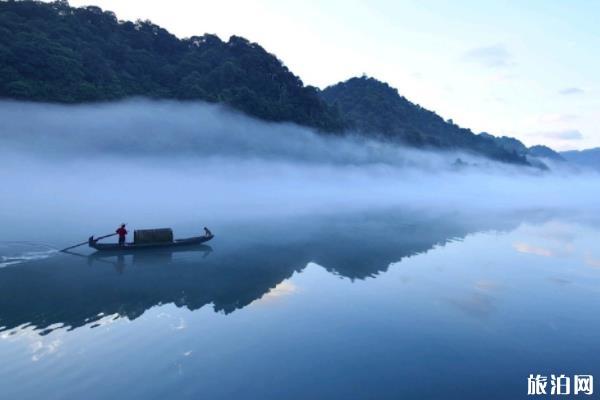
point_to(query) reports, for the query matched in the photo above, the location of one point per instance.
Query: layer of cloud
(555, 118)
(155, 163)
(564, 135)
(571, 90)
(530, 249)
(503, 76)
(489, 56)
(192, 130)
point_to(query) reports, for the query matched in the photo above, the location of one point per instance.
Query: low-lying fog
(162, 163)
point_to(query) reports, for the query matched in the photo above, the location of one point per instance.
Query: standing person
(207, 232)
(122, 232)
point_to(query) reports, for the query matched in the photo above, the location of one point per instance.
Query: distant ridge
(588, 158)
(545, 152)
(533, 153)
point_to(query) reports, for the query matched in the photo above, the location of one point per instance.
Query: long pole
(87, 241)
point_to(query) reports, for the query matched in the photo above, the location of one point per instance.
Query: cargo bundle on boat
(147, 236)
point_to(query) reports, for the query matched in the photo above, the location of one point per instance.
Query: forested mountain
(53, 52)
(515, 145)
(508, 143)
(545, 152)
(374, 107)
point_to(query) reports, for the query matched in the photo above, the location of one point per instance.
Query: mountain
(509, 143)
(535, 155)
(373, 107)
(52, 52)
(545, 152)
(587, 158)
(56, 53)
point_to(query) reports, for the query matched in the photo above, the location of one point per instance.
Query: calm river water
(392, 305)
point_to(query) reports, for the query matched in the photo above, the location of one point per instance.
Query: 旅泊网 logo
(560, 385)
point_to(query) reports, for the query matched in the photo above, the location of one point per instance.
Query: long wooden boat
(141, 246)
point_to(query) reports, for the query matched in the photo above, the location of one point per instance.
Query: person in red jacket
(122, 232)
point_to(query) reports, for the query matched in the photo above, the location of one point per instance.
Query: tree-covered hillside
(57, 53)
(371, 106)
(542, 151)
(52, 52)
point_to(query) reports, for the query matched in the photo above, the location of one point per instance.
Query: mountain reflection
(75, 290)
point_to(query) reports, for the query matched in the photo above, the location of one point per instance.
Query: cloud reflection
(530, 249)
(283, 289)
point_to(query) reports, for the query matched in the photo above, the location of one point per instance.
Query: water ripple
(12, 253)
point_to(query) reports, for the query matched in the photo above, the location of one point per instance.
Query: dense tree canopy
(56, 53)
(545, 152)
(53, 52)
(371, 106)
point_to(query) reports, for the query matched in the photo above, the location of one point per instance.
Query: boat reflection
(120, 259)
(151, 253)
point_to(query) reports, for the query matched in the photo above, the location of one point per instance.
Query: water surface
(392, 304)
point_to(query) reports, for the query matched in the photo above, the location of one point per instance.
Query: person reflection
(120, 264)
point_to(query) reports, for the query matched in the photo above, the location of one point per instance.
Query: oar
(87, 241)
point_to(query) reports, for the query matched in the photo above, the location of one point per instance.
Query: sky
(521, 69)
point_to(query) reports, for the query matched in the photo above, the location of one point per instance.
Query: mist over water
(383, 263)
(85, 168)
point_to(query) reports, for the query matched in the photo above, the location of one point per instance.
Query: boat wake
(12, 253)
